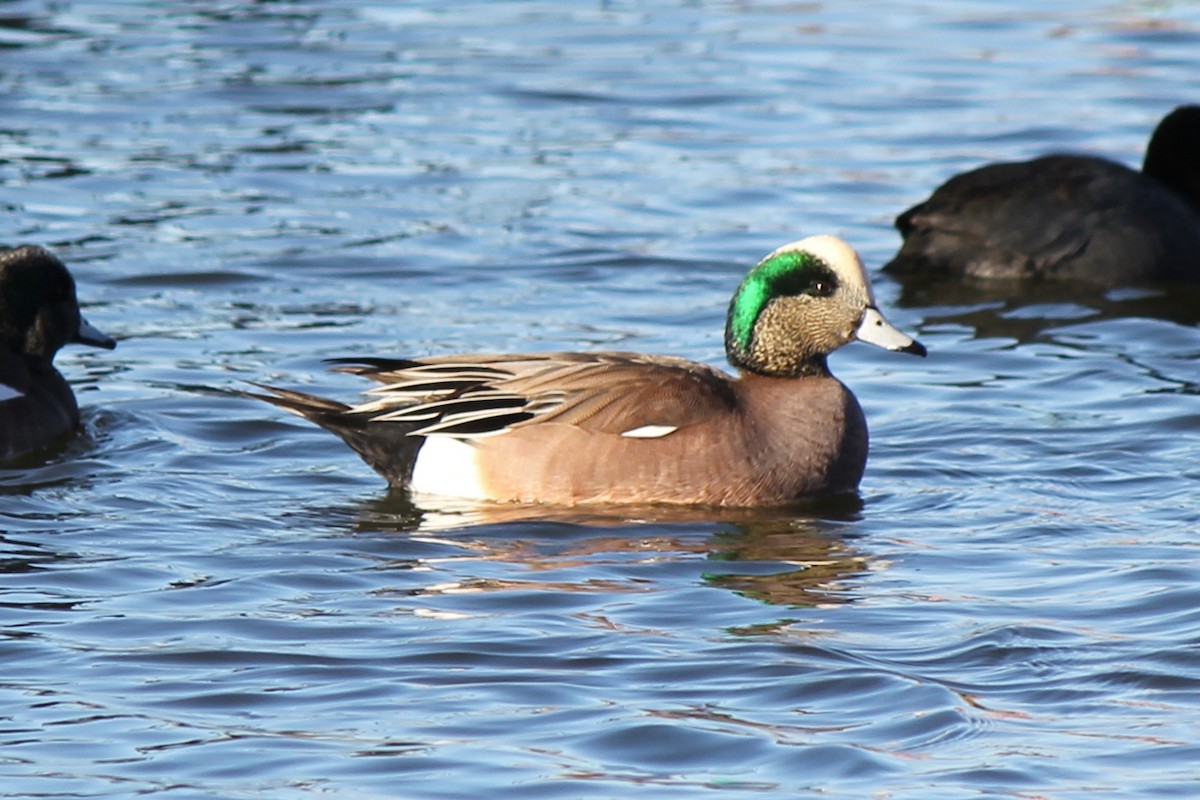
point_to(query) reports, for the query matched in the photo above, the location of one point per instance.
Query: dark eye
(821, 288)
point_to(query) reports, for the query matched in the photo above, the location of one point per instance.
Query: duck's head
(1173, 155)
(38, 309)
(801, 303)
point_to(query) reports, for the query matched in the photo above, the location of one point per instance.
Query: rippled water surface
(202, 597)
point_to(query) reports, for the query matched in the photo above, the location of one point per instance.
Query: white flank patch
(447, 466)
(9, 393)
(650, 431)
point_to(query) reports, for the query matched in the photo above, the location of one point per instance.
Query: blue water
(201, 597)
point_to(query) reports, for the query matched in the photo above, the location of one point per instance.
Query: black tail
(385, 446)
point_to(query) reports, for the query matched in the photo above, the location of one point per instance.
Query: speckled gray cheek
(794, 334)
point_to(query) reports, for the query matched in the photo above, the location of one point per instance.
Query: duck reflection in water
(1028, 312)
(795, 556)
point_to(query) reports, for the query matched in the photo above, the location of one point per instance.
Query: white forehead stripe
(840, 257)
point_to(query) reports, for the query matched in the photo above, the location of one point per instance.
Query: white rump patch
(9, 393)
(650, 431)
(447, 467)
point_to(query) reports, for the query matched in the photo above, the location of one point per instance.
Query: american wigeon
(1072, 217)
(38, 315)
(609, 427)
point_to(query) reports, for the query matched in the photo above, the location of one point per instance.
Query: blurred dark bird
(1072, 217)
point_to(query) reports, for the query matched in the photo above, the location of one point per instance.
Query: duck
(39, 313)
(1067, 217)
(578, 428)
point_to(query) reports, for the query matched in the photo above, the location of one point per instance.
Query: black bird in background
(1072, 217)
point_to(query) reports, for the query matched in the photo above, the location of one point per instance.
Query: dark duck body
(1066, 217)
(39, 314)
